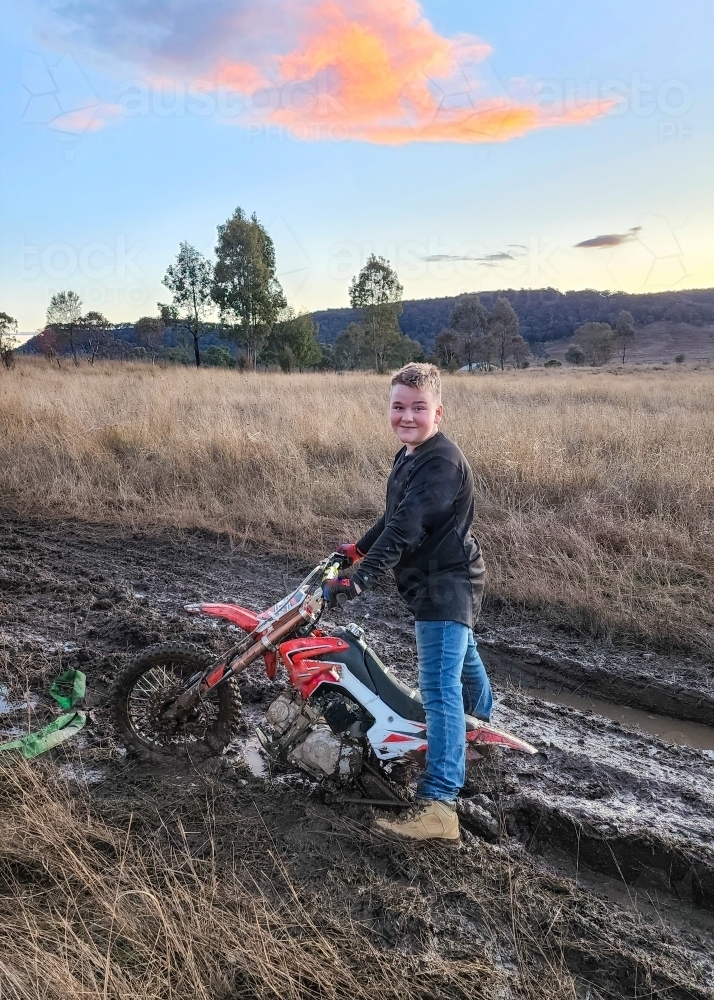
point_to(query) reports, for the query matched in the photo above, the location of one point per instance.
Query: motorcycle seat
(393, 692)
(402, 699)
(366, 666)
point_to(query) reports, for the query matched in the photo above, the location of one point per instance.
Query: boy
(424, 537)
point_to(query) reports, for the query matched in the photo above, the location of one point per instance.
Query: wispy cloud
(365, 70)
(610, 239)
(61, 97)
(490, 259)
(85, 119)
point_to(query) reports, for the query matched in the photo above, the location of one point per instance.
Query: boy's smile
(415, 415)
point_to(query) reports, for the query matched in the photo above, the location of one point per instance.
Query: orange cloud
(368, 70)
(379, 72)
(88, 119)
(240, 76)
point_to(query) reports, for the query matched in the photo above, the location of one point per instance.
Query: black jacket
(425, 535)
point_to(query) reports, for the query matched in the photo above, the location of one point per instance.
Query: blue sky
(474, 144)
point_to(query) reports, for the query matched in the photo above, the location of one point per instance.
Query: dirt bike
(344, 718)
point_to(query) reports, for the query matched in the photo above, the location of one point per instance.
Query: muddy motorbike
(343, 718)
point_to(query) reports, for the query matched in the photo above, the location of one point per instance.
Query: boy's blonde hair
(419, 376)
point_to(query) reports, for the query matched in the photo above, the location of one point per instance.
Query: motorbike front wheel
(147, 686)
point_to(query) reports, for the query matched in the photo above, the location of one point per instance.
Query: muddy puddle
(15, 715)
(248, 751)
(10, 705)
(81, 773)
(646, 896)
(677, 731)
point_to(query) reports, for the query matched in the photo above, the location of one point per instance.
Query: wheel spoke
(155, 689)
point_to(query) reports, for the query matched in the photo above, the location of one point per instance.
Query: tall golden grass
(594, 488)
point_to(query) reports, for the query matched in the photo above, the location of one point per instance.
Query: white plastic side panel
(391, 736)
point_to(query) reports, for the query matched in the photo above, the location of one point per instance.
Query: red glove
(349, 551)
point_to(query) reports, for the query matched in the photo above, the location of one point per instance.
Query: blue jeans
(452, 682)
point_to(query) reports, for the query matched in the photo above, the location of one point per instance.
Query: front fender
(242, 617)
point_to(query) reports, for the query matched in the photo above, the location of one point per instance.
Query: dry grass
(133, 908)
(90, 911)
(595, 489)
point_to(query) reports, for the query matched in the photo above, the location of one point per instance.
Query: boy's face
(414, 414)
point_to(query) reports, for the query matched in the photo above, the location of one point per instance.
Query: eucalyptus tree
(64, 314)
(8, 339)
(190, 281)
(377, 291)
(624, 332)
(469, 318)
(245, 286)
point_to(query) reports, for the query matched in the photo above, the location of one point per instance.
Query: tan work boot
(428, 820)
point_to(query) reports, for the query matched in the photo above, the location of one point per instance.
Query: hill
(678, 322)
(545, 314)
(656, 343)
(123, 342)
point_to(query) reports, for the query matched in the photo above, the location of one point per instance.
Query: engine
(325, 754)
(305, 738)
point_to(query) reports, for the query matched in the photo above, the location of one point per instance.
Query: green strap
(59, 730)
(69, 688)
(74, 683)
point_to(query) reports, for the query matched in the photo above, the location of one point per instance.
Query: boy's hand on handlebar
(339, 592)
(349, 552)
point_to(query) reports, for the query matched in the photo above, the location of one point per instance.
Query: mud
(592, 863)
(688, 734)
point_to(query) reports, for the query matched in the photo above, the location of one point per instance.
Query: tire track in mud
(649, 685)
(620, 803)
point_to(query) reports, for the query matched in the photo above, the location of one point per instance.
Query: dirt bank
(588, 870)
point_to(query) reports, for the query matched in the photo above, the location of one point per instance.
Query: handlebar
(332, 570)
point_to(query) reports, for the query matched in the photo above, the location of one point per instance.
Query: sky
(477, 145)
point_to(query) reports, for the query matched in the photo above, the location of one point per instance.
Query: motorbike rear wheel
(147, 685)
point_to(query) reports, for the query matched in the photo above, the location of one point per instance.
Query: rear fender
(243, 618)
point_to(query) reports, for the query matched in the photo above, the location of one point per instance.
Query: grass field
(595, 488)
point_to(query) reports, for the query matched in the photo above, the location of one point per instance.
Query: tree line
(240, 286)
(236, 297)
(231, 311)
(544, 314)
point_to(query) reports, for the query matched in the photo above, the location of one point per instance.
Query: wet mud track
(594, 859)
